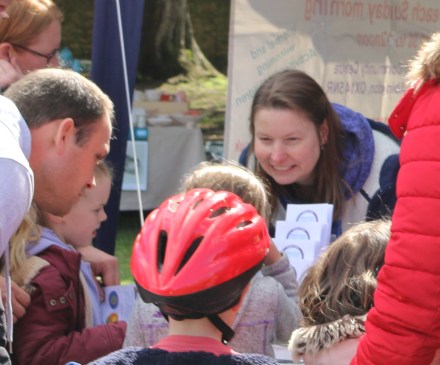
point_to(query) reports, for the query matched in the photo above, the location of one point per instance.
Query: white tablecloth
(172, 152)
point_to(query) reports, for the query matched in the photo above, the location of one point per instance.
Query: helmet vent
(161, 248)
(219, 212)
(189, 253)
(196, 204)
(244, 224)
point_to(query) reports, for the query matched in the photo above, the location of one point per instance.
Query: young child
(194, 259)
(60, 323)
(270, 310)
(337, 293)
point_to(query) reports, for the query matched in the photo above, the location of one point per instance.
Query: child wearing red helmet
(194, 259)
(270, 311)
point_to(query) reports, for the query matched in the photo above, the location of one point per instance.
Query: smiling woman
(29, 38)
(312, 151)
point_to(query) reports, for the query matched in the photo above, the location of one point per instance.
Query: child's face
(81, 223)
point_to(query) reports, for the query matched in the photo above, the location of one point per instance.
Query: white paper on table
(300, 230)
(300, 266)
(322, 213)
(299, 249)
(282, 353)
(119, 300)
(318, 213)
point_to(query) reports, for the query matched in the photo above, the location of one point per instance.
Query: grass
(128, 228)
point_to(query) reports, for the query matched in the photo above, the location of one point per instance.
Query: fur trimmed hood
(423, 76)
(426, 64)
(313, 339)
(30, 268)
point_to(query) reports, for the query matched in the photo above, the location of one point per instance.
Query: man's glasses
(48, 56)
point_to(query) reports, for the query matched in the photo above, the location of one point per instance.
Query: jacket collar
(398, 119)
(313, 339)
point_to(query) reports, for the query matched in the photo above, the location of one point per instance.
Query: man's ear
(6, 51)
(65, 134)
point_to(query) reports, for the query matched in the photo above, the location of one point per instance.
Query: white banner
(357, 50)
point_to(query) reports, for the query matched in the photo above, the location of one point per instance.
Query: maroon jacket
(53, 329)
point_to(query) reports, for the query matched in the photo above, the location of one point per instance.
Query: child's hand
(273, 255)
(104, 265)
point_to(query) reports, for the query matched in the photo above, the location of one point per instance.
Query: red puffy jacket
(404, 326)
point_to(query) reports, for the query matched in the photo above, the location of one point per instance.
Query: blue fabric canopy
(107, 72)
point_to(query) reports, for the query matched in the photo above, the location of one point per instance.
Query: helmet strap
(227, 332)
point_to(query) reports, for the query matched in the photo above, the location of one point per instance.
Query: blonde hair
(426, 64)
(26, 232)
(103, 169)
(27, 19)
(229, 176)
(344, 278)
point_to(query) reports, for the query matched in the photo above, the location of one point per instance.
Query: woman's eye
(264, 139)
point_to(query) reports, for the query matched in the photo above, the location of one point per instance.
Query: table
(172, 152)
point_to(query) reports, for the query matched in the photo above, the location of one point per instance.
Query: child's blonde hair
(230, 176)
(26, 232)
(344, 278)
(103, 169)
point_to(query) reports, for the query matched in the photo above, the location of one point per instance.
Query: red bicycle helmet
(197, 252)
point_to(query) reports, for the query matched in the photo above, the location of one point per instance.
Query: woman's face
(288, 145)
(46, 42)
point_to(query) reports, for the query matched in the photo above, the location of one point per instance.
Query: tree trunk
(169, 46)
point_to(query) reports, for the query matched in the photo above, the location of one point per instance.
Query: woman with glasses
(29, 38)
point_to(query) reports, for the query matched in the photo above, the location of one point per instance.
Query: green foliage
(77, 26)
(209, 96)
(210, 21)
(211, 28)
(128, 228)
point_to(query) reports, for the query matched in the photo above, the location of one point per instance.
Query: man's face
(65, 173)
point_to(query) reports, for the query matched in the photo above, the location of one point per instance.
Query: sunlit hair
(297, 91)
(27, 231)
(27, 19)
(45, 95)
(344, 278)
(426, 64)
(104, 169)
(229, 176)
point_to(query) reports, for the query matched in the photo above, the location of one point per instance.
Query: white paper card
(297, 249)
(300, 266)
(322, 213)
(119, 300)
(318, 213)
(300, 231)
